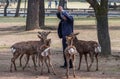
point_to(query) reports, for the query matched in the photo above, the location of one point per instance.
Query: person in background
(56, 3)
(65, 3)
(65, 28)
(49, 3)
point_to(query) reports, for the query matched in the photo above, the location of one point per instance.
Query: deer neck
(75, 40)
(71, 43)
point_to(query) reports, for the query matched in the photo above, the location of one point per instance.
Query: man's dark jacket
(65, 26)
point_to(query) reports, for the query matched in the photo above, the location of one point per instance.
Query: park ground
(12, 30)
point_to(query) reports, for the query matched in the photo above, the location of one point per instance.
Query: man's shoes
(63, 66)
(71, 67)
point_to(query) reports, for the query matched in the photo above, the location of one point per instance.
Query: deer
(27, 47)
(36, 44)
(21, 51)
(70, 52)
(44, 55)
(86, 47)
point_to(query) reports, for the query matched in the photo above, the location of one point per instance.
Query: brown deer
(44, 54)
(21, 51)
(70, 52)
(29, 48)
(86, 47)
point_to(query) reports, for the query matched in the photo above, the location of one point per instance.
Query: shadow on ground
(20, 29)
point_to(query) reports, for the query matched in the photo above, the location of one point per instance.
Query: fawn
(44, 55)
(70, 52)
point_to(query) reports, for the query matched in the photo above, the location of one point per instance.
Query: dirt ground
(109, 67)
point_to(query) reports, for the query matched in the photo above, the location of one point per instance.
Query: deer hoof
(74, 76)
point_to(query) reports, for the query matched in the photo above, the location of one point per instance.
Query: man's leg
(64, 46)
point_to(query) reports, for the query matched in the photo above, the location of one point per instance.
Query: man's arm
(68, 17)
(58, 15)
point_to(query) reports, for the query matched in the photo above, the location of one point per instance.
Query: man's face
(60, 8)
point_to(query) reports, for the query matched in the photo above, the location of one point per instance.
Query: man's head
(60, 8)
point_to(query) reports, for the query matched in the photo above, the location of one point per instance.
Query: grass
(12, 19)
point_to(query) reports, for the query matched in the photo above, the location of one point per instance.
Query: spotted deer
(70, 52)
(44, 55)
(28, 48)
(86, 47)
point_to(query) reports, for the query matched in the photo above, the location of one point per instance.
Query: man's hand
(64, 18)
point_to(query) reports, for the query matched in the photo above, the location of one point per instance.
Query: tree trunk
(18, 8)
(41, 14)
(32, 15)
(101, 12)
(103, 31)
(61, 3)
(25, 8)
(5, 9)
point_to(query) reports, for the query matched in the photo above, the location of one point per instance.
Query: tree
(41, 14)
(32, 15)
(101, 12)
(6, 6)
(61, 3)
(18, 8)
(25, 7)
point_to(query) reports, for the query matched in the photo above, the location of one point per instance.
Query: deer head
(43, 35)
(69, 40)
(73, 35)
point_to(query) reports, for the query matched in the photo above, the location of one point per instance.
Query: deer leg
(41, 66)
(86, 61)
(39, 58)
(96, 56)
(36, 57)
(73, 65)
(79, 61)
(20, 60)
(92, 60)
(67, 71)
(47, 65)
(33, 58)
(11, 66)
(28, 56)
(51, 65)
(15, 56)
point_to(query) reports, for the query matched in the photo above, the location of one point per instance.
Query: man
(65, 28)
(56, 3)
(49, 3)
(65, 4)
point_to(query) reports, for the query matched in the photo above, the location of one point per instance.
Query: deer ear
(39, 33)
(49, 40)
(76, 33)
(39, 37)
(48, 32)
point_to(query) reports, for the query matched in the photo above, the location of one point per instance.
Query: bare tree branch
(104, 3)
(93, 3)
